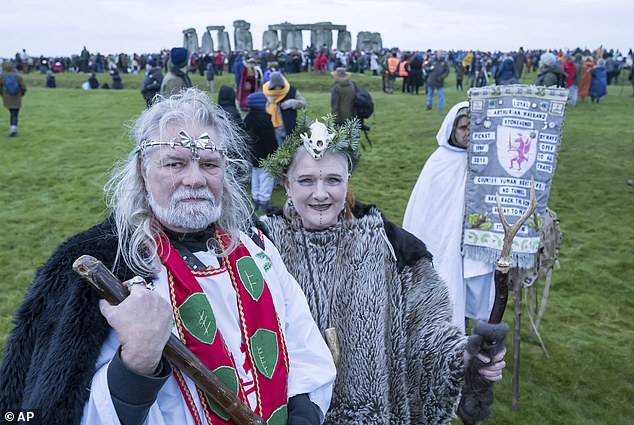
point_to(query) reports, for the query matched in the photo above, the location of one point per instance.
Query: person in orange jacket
(403, 72)
(390, 73)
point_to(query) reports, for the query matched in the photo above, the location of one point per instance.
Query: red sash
(263, 340)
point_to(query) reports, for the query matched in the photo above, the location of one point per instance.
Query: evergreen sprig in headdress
(317, 137)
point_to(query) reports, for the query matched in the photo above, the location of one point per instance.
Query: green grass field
(52, 175)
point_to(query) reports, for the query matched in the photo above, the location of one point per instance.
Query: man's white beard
(187, 216)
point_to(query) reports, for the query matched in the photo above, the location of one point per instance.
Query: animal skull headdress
(319, 140)
(324, 136)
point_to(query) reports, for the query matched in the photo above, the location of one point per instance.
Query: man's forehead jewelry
(186, 141)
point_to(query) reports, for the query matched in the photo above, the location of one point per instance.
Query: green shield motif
(278, 417)
(251, 277)
(264, 351)
(267, 261)
(198, 318)
(229, 376)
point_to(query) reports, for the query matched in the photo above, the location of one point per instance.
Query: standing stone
(321, 35)
(221, 36)
(369, 41)
(270, 40)
(344, 41)
(207, 43)
(224, 44)
(190, 40)
(294, 39)
(242, 36)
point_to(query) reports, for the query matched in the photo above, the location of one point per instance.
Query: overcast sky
(63, 27)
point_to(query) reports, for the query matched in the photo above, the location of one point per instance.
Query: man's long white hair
(137, 226)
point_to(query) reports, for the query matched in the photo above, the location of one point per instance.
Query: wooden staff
(112, 290)
(473, 393)
(505, 261)
(502, 273)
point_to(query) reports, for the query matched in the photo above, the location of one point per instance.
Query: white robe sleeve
(100, 410)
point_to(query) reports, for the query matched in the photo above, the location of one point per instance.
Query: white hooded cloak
(435, 214)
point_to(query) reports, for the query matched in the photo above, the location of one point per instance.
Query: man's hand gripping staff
(114, 292)
(486, 345)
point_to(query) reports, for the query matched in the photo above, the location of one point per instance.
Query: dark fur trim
(51, 352)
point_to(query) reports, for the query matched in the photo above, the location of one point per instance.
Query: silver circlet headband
(186, 141)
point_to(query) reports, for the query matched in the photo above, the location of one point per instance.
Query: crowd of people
(323, 60)
(583, 72)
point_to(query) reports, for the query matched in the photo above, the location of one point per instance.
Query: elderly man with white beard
(180, 220)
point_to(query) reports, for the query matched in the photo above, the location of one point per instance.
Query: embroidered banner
(515, 136)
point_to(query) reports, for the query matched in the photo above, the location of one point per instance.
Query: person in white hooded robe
(435, 214)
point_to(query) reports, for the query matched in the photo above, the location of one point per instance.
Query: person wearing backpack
(348, 100)
(12, 88)
(342, 96)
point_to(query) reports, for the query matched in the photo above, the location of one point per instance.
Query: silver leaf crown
(186, 141)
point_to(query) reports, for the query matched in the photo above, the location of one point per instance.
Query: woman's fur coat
(401, 358)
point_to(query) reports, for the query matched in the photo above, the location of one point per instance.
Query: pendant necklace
(330, 334)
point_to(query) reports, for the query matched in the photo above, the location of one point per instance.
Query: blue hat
(178, 57)
(257, 101)
(152, 62)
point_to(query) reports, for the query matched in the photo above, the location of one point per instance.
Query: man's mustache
(183, 194)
